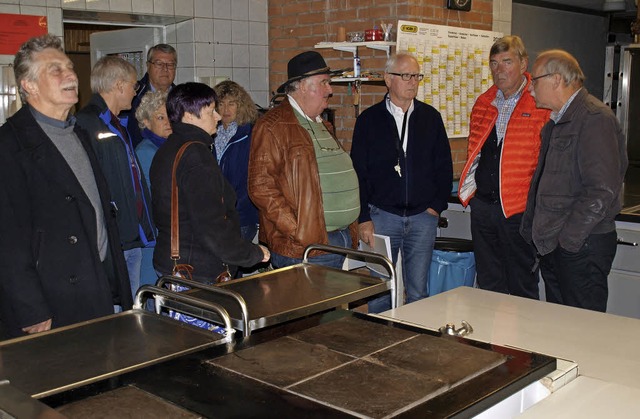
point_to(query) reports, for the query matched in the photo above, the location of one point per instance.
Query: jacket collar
(191, 132)
(153, 137)
(104, 113)
(568, 113)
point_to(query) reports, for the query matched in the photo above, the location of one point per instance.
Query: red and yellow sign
(16, 29)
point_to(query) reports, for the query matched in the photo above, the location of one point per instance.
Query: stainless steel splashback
(628, 103)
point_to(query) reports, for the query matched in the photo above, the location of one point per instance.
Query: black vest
(488, 171)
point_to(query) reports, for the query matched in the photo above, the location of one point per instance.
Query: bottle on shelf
(356, 65)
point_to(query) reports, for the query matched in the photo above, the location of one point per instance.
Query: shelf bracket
(352, 47)
(347, 48)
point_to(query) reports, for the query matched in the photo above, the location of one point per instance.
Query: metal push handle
(621, 241)
(367, 256)
(146, 291)
(210, 288)
(361, 255)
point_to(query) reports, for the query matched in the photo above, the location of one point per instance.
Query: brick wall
(297, 25)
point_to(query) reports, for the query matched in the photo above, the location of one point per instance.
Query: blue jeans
(148, 275)
(133, 258)
(414, 236)
(341, 238)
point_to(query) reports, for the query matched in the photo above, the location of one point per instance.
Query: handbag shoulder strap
(175, 216)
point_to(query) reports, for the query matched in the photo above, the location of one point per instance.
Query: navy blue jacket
(427, 171)
(116, 156)
(234, 164)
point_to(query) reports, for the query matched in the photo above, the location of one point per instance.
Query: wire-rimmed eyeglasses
(163, 66)
(534, 80)
(134, 84)
(409, 76)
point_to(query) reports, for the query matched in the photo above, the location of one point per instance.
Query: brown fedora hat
(306, 64)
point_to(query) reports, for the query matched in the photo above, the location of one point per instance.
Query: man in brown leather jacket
(300, 179)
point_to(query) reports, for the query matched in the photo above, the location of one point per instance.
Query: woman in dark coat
(232, 145)
(209, 224)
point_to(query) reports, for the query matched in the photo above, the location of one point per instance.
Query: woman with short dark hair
(209, 226)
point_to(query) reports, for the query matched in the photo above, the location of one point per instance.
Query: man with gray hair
(113, 83)
(60, 253)
(402, 156)
(300, 178)
(162, 62)
(502, 154)
(576, 190)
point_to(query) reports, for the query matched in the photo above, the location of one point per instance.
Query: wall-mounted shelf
(370, 80)
(356, 82)
(352, 47)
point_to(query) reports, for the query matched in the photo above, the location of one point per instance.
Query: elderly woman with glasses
(209, 227)
(232, 144)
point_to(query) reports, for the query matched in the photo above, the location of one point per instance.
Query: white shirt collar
(397, 110)
(301, 112)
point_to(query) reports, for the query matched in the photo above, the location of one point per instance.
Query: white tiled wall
(220, 38)
(502, 16)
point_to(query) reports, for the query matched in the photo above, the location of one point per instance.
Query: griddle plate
(123, 403)
(362, 367)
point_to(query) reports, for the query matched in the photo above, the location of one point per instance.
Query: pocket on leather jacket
(556, 203)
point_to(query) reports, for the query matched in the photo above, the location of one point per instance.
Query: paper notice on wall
(16, 29)
(455, 64)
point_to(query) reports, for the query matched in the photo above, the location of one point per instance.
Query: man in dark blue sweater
(402, 156)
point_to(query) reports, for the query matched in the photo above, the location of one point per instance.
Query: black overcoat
(49, 261)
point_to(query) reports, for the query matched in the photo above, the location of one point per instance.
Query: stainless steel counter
(70, 357)
(285, 294)
(339, 364)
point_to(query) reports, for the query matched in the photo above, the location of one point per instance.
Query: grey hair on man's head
(166, 48)
(109, 70)
(292, 87)
(23, 66)
(558, 61)
(398, 56)
(150, 103)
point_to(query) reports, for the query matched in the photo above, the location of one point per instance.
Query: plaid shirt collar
(505, 108)
(555, 116)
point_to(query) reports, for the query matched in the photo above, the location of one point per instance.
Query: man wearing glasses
(113, 82)
(162, 60)
(300, 178)
(402, 157)
(575, 193)
(502, 153)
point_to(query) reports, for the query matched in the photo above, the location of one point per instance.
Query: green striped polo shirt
(338, 179)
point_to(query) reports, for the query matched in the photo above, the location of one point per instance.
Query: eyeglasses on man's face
(163, 65)
(534, 80)
(409, 76)
(134, 84)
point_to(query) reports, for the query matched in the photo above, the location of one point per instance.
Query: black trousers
(504, 261)
(580, 279)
